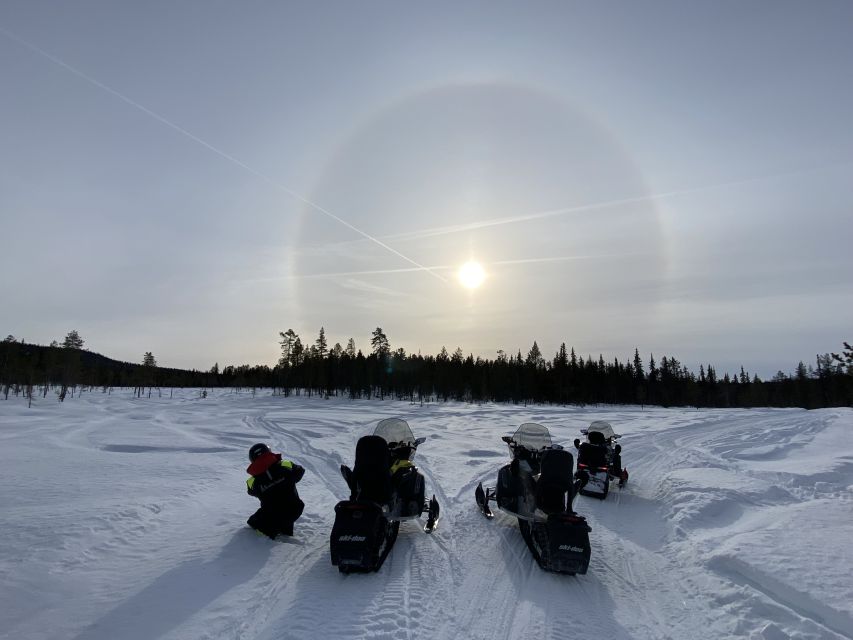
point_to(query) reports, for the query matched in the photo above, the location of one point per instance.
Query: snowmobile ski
(483, 502)
(434, 514)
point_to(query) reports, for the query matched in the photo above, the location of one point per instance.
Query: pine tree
(379, 342)
(73, 340)
(288, 338)
(321, 343)
(350, 350)
(845, 359)
(148, 360)
(297, 352)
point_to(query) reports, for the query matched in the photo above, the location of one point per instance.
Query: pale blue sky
(671, 176)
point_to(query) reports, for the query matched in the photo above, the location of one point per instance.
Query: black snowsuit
(273, 482)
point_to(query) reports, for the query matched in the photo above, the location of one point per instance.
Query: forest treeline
(566, 378)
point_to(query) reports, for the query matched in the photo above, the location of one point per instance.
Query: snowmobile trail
(136, 521)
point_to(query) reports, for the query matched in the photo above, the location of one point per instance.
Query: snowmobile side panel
(507, 490)
(408, 495)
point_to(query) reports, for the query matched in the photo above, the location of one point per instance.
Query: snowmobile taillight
(574, 518)
(581, 465)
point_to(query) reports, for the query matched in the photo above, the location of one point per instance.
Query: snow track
(124, 517)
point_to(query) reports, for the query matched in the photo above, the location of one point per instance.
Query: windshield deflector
(395, 430)
(532, 436)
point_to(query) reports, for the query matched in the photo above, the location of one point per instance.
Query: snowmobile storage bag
(598, 484)
(357, 535)
(567, 543)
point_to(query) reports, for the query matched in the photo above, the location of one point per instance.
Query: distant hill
(23, 364)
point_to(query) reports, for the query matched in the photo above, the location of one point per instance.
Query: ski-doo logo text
(349, 538)
(566, 547)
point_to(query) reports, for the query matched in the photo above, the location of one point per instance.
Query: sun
(471, 274)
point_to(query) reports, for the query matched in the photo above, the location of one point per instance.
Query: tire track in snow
(408, 577)
(784, 596)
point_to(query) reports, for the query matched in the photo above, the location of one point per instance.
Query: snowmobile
(537, 488)
(599, 460)
(385, 489)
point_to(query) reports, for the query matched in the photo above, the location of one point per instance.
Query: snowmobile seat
(593, 456)
(371, 472)
(596, 437)
(554, 487)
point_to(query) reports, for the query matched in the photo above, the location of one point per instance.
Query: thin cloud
(366, 287)
(594, 206)
(443, 267)
(163, 120)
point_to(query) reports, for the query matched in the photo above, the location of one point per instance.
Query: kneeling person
(273, 482)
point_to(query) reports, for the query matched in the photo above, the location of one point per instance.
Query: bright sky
(192, 178)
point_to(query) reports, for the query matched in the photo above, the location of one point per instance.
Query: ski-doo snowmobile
(599, 460)
(537, 488)
(385, 488)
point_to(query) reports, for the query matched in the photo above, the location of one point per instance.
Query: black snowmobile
(385, 488)
(537, 488)
(599, 460)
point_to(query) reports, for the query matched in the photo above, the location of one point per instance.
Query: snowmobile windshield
(532, 436)
(604, 428)
(394, 430)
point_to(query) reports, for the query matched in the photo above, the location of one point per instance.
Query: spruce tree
(638, 365)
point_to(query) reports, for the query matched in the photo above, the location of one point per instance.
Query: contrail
(216, 150)
(605, 204)
(444, 267)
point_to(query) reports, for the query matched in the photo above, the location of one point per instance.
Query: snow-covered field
(125, 518)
